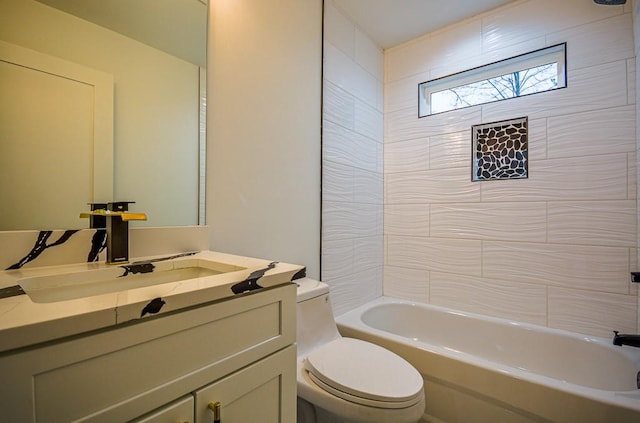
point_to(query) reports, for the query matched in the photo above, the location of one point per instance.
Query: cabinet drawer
(264, 392)
(119, 374)
(180, 411)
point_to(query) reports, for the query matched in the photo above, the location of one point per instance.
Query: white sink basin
(86, 283)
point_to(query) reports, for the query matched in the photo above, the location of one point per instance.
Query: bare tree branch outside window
(515, 84)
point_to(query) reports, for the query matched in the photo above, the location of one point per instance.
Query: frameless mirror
(63, 145)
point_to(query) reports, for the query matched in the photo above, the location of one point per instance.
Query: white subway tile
(406, 219)
(506, 299)
(433, 254)
(407, 284)
(406, 156)
(573, 266)
(592, 133)
(591, 312)
(525, 221)
(611, 223)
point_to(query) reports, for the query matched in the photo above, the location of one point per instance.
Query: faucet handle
(132, 216)
(121, 206)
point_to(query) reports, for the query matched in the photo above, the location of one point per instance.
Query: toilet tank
(316, 325)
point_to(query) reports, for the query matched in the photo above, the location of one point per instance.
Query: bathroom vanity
(209, 354)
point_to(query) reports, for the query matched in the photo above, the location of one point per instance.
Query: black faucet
(626, 339)
(115, 220)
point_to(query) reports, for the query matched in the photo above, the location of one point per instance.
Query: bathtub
(483, 369)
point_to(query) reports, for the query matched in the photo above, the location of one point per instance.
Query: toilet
(346, 380)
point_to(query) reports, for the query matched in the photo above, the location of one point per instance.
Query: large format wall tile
(609, 37)
(438, 185)
(515, 300)
(603, 269)
(407, 284)
(435, 254)
(339, 31)
(597, 314)
(536, 18)
(486, 221)
(348, 75)
(338, 106)
(351, 220)
(592, 133)
(341, 145)
(593, 223)
(369, 55)
(406, 219)
(576, 178)
(554, 249)
(593, 88)
(352, 181)
(406, 156)
(404, 124)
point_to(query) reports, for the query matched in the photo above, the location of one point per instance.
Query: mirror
(154, 52)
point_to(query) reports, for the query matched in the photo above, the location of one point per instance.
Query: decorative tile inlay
(500, 150)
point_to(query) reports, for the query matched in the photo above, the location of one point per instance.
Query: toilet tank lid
(310, 288)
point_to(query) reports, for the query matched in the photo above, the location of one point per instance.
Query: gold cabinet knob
(215, 409)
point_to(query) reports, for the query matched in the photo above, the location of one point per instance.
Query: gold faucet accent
(125, 216)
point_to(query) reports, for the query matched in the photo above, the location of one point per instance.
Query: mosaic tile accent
(500, 150)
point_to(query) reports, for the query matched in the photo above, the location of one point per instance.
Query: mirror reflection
(68, 138)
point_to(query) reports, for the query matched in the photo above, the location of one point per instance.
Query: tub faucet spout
(626, 339)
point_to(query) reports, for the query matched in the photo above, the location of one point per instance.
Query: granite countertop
(26, 321)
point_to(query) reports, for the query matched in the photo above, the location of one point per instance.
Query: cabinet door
(180, 411)
(264, 392)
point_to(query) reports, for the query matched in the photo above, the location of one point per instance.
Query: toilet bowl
(345, 380)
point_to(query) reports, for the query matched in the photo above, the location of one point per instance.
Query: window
(530, 73)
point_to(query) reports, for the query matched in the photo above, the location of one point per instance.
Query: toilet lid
(365, 373)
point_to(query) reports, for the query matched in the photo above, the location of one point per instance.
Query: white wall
(554, 249)
(352, 163)
(263, 140)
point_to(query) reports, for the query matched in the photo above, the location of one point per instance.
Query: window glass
(531, 73)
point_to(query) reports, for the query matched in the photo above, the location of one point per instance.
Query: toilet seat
(364, 373)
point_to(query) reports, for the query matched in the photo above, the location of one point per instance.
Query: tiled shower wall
(352, 189)
(554, 249)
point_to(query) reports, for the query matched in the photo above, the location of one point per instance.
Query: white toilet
(345, 380)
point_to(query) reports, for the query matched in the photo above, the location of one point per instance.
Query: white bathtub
(483, 369)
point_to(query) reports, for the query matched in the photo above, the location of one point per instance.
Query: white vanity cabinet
(180, 411)
(238, 352)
